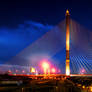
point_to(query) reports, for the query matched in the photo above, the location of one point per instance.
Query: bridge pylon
(67, 42)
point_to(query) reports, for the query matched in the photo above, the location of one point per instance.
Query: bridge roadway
(53, 76)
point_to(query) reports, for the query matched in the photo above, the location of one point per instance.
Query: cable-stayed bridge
(52, 47)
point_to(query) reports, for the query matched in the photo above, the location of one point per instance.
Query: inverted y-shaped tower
(67, 42)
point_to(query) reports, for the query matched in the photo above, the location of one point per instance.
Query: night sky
(14, 12)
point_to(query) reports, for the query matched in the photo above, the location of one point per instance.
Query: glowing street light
(45, 66)
(90, 88)
(53, 70)
(49, 71)
(16, 71)
(59, 71)
(32, 70)
(82, 71)
(36, 72)
(9, 71)
(23, 71)
(83, 87)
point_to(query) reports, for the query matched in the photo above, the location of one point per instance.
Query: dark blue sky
(14, 12)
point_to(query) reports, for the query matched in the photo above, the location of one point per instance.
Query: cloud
(12, 41)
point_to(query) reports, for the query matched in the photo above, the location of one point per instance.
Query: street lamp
(45, 66)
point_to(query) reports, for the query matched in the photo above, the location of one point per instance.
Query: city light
(16, 71)
(59, 71)
(9, 71)
(32, 70)
(53, 70)
(67, 12)
(36, 72)
(82, 71)
(67, 72)
(67, 68)
(49, 71)
(83, 86)
(23, 71)
(45, 66)
(90, 88)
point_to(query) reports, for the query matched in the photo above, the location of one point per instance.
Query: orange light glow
(67, 43)
(83, 86)
(91, 88)
(67, 12)
(67, 72)
(49, 71)
(33, 70)
(67, 68)
(67, 39)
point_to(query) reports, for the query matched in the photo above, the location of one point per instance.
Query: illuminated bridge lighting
(53, 70)
(33, 70)
(90, 88)
(45, 66)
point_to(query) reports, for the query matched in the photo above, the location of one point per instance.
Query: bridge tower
(67, 42)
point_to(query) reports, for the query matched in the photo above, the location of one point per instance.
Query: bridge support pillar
(67, 42)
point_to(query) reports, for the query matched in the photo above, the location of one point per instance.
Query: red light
(82, 71)
(59, 71)
(9, 71)
(16, 71)
(23, 71)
